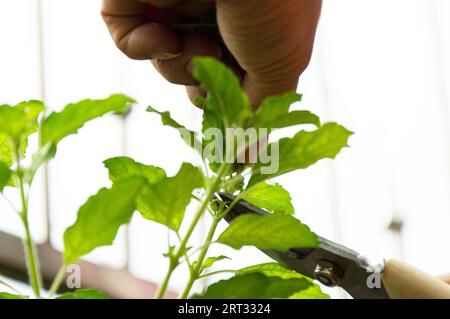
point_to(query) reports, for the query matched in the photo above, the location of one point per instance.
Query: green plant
(17, 124)
(230, 165)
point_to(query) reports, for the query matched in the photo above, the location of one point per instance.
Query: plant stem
(31, 259)
(181, 250)
(30, 251)
(195, 274)
(185, 254)
(57, 281)
(162, 289)
(201, 258)
(209, 194)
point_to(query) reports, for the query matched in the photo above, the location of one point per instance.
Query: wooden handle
(406, 282)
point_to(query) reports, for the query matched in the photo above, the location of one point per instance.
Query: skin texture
(271, 40)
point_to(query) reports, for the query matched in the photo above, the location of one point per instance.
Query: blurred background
(381, 68)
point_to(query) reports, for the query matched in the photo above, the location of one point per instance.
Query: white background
(381, 68)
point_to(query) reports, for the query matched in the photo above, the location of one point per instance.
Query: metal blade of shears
(331, 264)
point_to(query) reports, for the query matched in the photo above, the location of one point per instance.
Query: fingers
(150, 41)
(194, 92)
(178, 70)
(139, 39)
(271, 40)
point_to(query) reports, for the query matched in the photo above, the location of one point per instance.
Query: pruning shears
(331, 264)
(335, 265)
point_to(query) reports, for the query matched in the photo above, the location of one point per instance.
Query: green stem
(31, 259)
(30, 251)
(185, 254)
(195, 274)
(57, 281)
(210, 193)
(181, 250)
(162, 289)
(201, 258)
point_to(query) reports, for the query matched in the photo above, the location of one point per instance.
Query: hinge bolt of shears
(328, 273)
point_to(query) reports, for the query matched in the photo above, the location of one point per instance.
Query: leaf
(121, 168)
(293, 118)
(225, 106)
(61, 124)
(84, 294)
(32, 110)
(273, 270)
(211, 125)
(6, 150)
(225, 98)
(275, 106)
(166, 118)
(210, 261)
(277, 231)
(13, 122)
(303, 150)
(6, 295)
(189, 137)
(309, 291)
(42, 156)
(100, 217)
(166, 201)
(16, 124)
(274, 113)
(273, 198)
(312, 292)
(253, 286)
(5, 175)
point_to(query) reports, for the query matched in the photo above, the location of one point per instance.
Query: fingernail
(164, 55)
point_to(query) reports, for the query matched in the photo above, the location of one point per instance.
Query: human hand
(270, 40)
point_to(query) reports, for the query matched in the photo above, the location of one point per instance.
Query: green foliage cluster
(148, 190)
